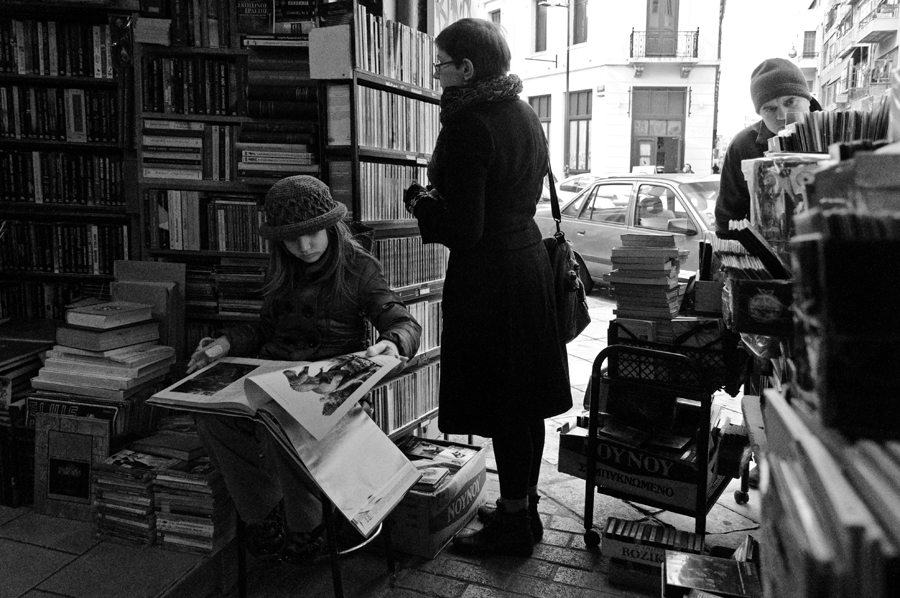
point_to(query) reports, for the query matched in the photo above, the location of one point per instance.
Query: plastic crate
(720, 362)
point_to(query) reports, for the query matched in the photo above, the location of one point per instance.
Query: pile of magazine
(194, 512)
(123, 505)
(436, 462)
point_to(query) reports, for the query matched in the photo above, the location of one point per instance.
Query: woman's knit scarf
(493, 89)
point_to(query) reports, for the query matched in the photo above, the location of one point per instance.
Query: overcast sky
(752, 31)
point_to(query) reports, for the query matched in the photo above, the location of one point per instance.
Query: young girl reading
(321, 287)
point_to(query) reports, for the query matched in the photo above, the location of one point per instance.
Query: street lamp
(566, 113)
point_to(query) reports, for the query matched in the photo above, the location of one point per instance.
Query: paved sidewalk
(47, 557)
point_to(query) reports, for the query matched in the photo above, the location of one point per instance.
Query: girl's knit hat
(776, 77)
(299, 205)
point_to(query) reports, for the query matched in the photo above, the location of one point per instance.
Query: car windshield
(702, 196)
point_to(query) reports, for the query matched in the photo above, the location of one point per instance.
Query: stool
(334, 554)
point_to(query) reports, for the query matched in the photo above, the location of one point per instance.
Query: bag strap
(554, 201)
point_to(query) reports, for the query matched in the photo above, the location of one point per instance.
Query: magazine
(359, 469)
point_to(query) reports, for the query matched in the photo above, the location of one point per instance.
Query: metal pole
(566, 116)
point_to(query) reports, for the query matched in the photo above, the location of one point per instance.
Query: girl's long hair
(337, 272)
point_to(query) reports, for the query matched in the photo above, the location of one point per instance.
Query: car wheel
(584, 275)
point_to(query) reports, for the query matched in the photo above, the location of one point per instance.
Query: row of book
(407, 261)
(283, 102)
(275, 18)
(428, 314)
(55, 48)
(381, 188)
(62, 248)
(73, 115)
(193, 85)
(61, 178)
(238, 286)
(29, 301)
(830, 523)
(385, 120)
(404, 399)
(185, 150)
(198, 23)
(393, 49)
(815, 132)
(194, 221)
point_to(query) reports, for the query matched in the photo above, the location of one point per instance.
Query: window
(578, 156)
(540, 28)
(607, 203)
(579, 22)
(660, 209)
(495, 16)
(541, 107)
(809, 44)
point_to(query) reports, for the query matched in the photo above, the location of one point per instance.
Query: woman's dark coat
(500, 354)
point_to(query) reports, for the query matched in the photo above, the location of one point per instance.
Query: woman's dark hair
(482, 42)
(342, 248)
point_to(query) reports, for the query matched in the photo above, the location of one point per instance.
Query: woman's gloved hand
(412, 195)
(209, 350)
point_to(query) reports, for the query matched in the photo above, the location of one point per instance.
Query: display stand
(652, 380)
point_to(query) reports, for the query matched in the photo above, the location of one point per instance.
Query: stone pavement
(47, 557)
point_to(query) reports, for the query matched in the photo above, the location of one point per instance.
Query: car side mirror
(682, 226)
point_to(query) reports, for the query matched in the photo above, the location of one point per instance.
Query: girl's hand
(386, 347)
(208, 351)
(383, 347)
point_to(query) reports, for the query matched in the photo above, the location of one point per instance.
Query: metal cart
(660, 376)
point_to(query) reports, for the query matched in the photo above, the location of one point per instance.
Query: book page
(319, 394)
(360, 470)
(218, 387)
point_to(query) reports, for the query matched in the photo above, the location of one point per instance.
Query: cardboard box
(424, 522)
(644, 475)
(708, 297)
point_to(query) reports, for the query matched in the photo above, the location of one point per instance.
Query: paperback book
(109, 314)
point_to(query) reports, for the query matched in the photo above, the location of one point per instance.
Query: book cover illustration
(319, 394)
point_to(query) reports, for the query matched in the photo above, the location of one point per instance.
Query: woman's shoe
(303, 548)
(505, 533)
(486, 513)
(265, 539)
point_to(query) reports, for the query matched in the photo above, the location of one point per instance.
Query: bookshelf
(226, 109)
(380, 120)
(64, 150)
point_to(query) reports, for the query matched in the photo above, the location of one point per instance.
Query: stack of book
(106, 350)
(187, 150)
(450, 456)
(283, 104)
(194, 512)
(238, 284)
(645, 279)
(123, 505)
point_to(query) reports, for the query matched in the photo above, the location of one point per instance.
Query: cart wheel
(592, 538)
(741, 497)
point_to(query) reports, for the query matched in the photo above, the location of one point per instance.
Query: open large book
(360, 470)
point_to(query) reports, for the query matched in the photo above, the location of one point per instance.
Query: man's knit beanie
(299, 205)
(776, 77)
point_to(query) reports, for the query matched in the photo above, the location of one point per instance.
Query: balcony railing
(809, 55)
(659, 44)
(885, 10)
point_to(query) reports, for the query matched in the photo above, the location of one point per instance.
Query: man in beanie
(321, 287)
(777, 87)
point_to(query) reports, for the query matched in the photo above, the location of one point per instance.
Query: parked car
(594, 219)
(567, 188)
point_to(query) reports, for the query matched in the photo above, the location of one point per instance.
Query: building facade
(859, 40)
(640, 79)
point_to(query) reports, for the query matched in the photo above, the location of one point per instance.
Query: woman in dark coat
(503, 368)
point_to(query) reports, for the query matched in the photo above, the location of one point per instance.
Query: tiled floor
(44, 557)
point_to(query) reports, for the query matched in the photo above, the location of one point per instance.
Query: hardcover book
(109, 314)
(170, 444)
(354, 463)
(92, 339)
(683, 572)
